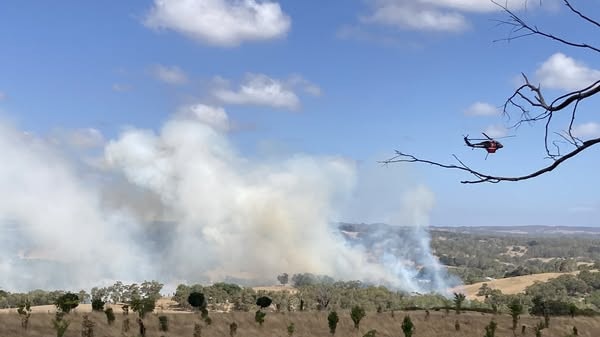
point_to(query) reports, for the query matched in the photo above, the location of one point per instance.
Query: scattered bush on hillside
(110, 316)
(143, 305)
(259, 317)
(197, 300)
(538, 329)
(67, 302)
(59, 324)
(290, 329)
(97, 304)
(197, 330)
(264, 302)
(332, 321)
(357, 314)
(87, 327)
(458, 301)
(283, 278)
(371, 333)
(408, 328)
(142, 327)
(125, 326)
(490, 329)
(24, 311)
(232, 329)
(163, 323)
(516, 309)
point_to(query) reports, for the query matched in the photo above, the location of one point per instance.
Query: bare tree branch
(586, 18)
(482, 177)
(520, 25)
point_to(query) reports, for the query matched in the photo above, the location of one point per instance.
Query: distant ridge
(530, 230)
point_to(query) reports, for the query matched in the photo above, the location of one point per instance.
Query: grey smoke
(181, 204)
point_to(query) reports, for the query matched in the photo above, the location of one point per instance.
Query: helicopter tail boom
(468, 142)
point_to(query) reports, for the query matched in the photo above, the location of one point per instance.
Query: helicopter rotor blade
(506, 137)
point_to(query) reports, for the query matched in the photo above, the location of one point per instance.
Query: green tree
(516, 309)
(332, 320)
(408, 328)
(291, 328)
(264, 302)
(59, 324)
(259, 317)
(24, 311)
(197, 330)
(143, 305)
(197, 300)
(490, 329)
(232, 329)
(538, 329)
(357, 313)
(283, 278)
(163, 323)
(87, 327)
(67, 302)
(142, 327)
(110, 316)
(459, 298)
(97, 304)
(371, 333)
(573, 309)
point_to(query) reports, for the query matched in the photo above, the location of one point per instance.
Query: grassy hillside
(510, 285)
(313, 324)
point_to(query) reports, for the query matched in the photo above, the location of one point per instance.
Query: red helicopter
(489, 144)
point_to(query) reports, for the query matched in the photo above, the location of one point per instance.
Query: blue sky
(356, 79)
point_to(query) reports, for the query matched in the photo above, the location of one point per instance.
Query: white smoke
(181, 204)
(47, 210)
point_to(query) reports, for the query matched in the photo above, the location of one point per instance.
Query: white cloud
(478, 5)
(586, 130)
(358, 33)
(260, 89)
(215, 117)
(431, 15)
(482, 109)
(308, 87)
(496, 131)
(121, 87)
(566, 73)
(169, 74)
(220, 22)
(409, 15)
(79, 138)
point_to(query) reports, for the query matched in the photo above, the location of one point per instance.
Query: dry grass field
(313, 324)
(510, 285)
(163, 305)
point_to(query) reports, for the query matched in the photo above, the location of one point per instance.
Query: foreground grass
(307, 324)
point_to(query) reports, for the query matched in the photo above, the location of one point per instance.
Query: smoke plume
(182, 204)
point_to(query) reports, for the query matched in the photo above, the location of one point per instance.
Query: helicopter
(488, 143)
